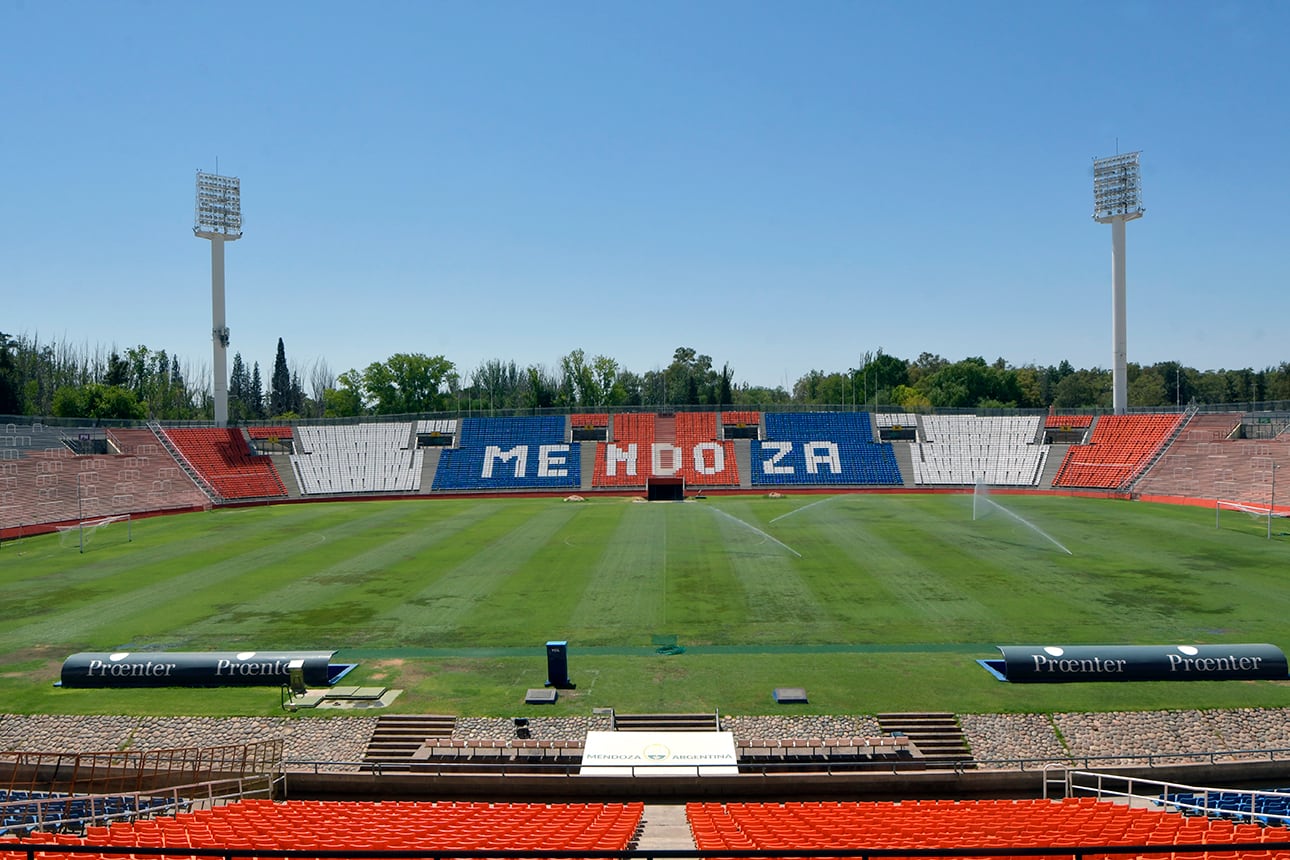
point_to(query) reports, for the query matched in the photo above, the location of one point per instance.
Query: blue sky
(780, 186)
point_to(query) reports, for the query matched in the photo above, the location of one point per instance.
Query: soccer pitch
(872, 602)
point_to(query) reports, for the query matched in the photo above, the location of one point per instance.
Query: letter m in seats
(519, 455)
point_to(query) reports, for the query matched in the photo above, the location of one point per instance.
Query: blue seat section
(1269, 808)
(811, 448)
(24, 811)
(510, 454)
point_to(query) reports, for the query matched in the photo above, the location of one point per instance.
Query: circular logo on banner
(245, 655)
(1053, 651)
(657, 752)
(118, 656)
(1189, 650)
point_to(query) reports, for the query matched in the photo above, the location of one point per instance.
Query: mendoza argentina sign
(199, 668)
(1066, 663)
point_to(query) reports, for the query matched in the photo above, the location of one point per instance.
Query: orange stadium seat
(220, 456)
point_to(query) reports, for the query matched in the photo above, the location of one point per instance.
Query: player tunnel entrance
(665, 489)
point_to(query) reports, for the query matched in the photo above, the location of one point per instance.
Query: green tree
(280, 399)
(406, 383)
(118, 371)
(255, 393)
(9, 385)
(238, 383)
(97, 401)
(346, 399)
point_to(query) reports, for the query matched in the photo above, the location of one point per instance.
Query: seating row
(510, 453)
(936, 824)
(221, 457)
(386, 825)
(1119, 449)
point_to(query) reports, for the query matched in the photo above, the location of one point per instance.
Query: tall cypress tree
(280, 384)
(256, 395)
(8, 378)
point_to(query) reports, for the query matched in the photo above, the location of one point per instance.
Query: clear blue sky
(781, 186)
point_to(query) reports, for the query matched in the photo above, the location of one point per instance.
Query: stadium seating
(804, 448)
(388, 825)
(51, 484)
(1207, 462)
(437, 426)
(220, 457)
(1120, 447)
(510, 454)
(1054, 421)
(258, 432)
(685, 445)
(357, 458)
(744, 418)
(967, 449)
(945, 824)
(24, 811)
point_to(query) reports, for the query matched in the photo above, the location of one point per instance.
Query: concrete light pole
(1117, 192)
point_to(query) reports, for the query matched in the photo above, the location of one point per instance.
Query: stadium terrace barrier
(200, 669)
(1066, 663)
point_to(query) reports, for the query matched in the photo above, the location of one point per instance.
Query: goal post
(82, 533)
(1263, 514)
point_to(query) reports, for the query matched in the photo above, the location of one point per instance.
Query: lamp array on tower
(1117, 188)
(1117, 199)
(219, 207)
(218, 218)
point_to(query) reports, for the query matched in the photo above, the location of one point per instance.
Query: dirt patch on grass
(33, 663)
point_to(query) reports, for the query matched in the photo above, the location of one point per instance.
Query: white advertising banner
(659, 754)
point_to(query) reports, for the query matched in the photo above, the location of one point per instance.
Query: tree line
(59, 379)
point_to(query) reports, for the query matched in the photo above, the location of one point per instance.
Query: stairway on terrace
(287, 473)
(397, 737)
(429, 465)
(937, 735)
(665, 433)
(667, 722)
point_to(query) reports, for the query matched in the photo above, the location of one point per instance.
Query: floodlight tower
(218, 218)
(1117, 199)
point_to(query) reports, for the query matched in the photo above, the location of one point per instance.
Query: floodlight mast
(1117, 199)
(218, 218)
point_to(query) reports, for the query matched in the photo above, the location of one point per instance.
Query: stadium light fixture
(218, 217)
(1117, 199)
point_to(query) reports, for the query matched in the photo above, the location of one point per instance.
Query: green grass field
(870, 602)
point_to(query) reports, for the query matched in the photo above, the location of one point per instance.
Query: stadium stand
(743, 418)
(1119, 449)
(1053, 421)
(895, 419)
(589, 419)
(388, 825)
(24, 811)
(510, 454)
(805, 448)
(966, 449)
(260, 432)
(357, 458)
(220, 457)
(1208, 460)
(42, 480)
(946, 824)
(685, 445)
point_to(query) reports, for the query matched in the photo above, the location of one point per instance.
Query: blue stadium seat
(829, 448)
(510, 454)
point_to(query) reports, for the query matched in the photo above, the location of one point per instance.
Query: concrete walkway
(664, 827)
